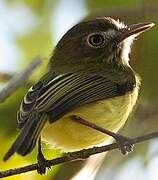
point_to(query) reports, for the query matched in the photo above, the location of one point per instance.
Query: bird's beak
(134, 29)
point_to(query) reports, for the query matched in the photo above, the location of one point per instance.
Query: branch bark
(83, 154)
(19, 79)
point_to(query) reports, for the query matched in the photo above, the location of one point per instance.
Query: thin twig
(19, 79)
(85, 153)
(89, 124)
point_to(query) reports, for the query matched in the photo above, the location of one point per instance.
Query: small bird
(87, 93)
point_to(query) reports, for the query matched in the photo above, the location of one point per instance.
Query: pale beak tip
(150, 24)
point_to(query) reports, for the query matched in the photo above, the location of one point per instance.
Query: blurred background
(30, 28)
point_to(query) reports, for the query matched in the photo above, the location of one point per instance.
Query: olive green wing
(29, 102)
(71, 90)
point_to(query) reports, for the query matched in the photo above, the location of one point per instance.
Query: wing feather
(62, 93)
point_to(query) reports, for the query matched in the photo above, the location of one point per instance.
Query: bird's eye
(96, 40)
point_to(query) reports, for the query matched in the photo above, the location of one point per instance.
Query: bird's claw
(42, 164)
(125, 144)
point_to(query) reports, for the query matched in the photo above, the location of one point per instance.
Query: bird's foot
(42, 164)
(125, 144)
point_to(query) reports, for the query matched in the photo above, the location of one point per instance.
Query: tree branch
(85, 153)
(19, 79)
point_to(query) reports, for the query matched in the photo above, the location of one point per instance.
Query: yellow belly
(112, 113)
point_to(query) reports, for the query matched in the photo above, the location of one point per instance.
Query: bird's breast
(110, 113)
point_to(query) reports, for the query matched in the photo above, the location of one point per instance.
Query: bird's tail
(28, 136)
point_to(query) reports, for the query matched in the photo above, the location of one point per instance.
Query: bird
(87, 93)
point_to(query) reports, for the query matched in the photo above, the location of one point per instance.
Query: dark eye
(96, 40)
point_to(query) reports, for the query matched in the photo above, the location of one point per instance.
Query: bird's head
(98, 40)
